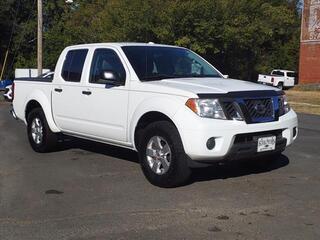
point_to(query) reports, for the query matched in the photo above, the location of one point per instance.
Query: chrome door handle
(86, 92)
(58, 90)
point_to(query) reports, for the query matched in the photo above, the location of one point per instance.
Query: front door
(106, 105)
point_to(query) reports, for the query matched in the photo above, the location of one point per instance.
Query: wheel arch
(145, 120)
(40, 101)
(151, 111)
(278, 81)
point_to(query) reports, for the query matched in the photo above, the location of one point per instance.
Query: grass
(305, 99)
(307, 87)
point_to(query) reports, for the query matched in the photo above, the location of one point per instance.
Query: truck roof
(282, 70)
(119, 44)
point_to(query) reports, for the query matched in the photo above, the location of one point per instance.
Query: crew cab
(282, 79)
(165, 102)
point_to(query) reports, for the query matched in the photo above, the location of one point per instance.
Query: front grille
(260, 109)
(281, 106)
(249, 137)
(257, 110)
(231, 111)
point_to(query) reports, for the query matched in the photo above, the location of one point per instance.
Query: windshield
(157, 63)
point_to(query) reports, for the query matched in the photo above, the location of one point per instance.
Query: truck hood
(208, 85)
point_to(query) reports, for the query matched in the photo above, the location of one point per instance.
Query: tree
(242, 38)
(7, 15)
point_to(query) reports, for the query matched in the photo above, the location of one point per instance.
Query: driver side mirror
(225, 76)
(111, 78)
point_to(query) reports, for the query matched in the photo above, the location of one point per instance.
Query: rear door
(290, 79)
(67, 97)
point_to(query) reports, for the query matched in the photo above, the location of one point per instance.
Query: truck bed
(34, 79)
(26, 86)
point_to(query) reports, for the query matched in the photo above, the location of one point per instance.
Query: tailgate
(265, 79)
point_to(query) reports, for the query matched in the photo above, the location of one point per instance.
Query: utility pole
(4, 64)
(39, 52)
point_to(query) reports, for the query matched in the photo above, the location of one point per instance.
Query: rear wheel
(280, 85)
(162, 157)
(41, 138)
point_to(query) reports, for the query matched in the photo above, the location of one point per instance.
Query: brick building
(310, 43)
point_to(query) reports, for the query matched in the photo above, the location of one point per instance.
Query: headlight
(207, 108)
(284, 106)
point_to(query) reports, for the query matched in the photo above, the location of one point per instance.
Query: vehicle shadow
(231, 169)
(234, 169)
(99, 148)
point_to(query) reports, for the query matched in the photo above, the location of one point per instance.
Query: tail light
(272, 80)
(13, 85)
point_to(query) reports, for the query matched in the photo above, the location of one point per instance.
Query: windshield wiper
(157, 77)
(165, 76)
(200, 76)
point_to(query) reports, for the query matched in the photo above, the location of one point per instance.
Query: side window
(106, 60)
(278, 73)
(73, 65)
(291, 74)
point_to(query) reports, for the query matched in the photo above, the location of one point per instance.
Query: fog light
(211, 143)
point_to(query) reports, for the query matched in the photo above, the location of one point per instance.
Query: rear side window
(278, 73)
(292, 74)
(73, 65)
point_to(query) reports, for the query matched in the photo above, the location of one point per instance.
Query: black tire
(280, 86)
(178, 172)
(49, 140)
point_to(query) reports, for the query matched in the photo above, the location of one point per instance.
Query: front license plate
(266, 144)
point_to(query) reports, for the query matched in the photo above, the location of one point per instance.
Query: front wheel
(41, 138)
(162, 158)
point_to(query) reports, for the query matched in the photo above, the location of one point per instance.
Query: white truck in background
(282, 79)
(165, 102)
(28, 72)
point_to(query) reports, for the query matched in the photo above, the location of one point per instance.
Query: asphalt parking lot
(94, 191)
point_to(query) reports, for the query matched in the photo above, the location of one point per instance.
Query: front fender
(167, 106)
(45, 104)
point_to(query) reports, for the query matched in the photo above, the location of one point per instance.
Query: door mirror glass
(110, 78)
(108, 75)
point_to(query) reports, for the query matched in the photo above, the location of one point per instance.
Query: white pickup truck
(282, 79)
(165, 102)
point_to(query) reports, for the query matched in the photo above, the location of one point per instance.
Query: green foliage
(7, 14)
(242, 38)
(15, 16)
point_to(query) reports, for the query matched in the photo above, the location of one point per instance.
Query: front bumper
(247, 148)
(196, 131)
